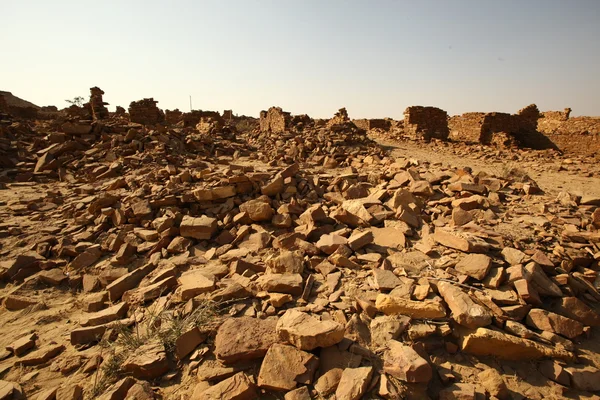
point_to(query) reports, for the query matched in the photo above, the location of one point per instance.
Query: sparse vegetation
(76, 101)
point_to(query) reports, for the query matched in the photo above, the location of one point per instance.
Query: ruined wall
(368, 124)
(194, 117)
(580, 135)
(426, 122)
(467, 127)
(173, 116)
(227, 115)
(145, 112)
(97, 104)
(275, 120)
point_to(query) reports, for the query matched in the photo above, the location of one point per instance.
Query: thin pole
(190, 102)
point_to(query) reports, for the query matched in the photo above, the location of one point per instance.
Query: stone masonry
(426, 122)
(145, 112)
(97, 105)
(275, 120)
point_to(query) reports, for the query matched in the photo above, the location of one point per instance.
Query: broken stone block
(237, 387)
(53, 276)
(476, 266)
(14, 303)
(307, 332)
(287, 262)
(387, 327)
(385, 279)
(329, 243)
(187, 342)
(576, 309)
(41, 356)
(486, 342)
(22, 345)
(257, 209)
(245, 338)
(127, 282)
(201, 228)
(281, 283)
(462, 241)
(585, 378)
(87, 258)
(285, 366)
(116, 312)
(514, 256)
(148, 362)
(194, 282)
(358, 240)
(554, 371)
(389, 237)
(464, 310)
(549, 321)
(328, 382)
(353, 383)
(390, 305)
(302, 393)
(404, 363)
(493, 383)
(462, 391)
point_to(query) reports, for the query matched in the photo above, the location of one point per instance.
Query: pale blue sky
(373, 57)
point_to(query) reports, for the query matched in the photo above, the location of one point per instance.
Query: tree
(77, 101)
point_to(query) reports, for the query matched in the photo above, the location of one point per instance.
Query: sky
(307, 56)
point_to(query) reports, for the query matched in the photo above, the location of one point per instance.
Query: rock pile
(171, 263)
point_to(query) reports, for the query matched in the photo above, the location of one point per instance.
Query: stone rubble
(186, 255)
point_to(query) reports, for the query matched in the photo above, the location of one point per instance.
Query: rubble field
(150, 254)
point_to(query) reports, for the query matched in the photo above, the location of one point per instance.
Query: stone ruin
(96, 104)
(339, 117)
(375, 123)
(426, 123)
(275, 120)
(173, 116)
(228, 115)
(145, 112)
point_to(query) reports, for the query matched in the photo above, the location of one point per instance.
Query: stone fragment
(476, 266)
(429, 309)
(110, 314)
(514, 256)
(22, 345)
(201, 228)
(245, 338)
(464, 310)
(389, 237)
(585, 378)
(462, 241)
(307, 332)
(41, 356)
(281, 283)
(353, 383)
(118, 390)
(14, 303)
(69, 392)
(127, 282)
(287, 262)
(53, 276)
(549, 321)
(458, 391)
(385, 279)
(493, 383)
(486, 342)
(358, 240)
(387, 327)
(554, 371)
(237, 387)
(404, 363)
(285, 366)
(187, 342)
(576, 309)
(148, 362)
(329, 243)
(257, 209)
(194, 282)
(328, 382)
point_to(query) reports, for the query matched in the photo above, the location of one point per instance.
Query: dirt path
(553, 176)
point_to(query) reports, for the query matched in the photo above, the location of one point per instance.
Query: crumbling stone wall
(145, 112)
(3, 104)
(426, 122)
(97, 104)
(173, 116)
(368, 124)
(467, 127)
(194, 117)
(339, 117)
(275, 120)
(228, 115)
(580, 135)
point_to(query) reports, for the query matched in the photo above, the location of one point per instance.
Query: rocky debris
(285, 366)
(245, 338)
(404, 363)
(326, 265)
(306, 332)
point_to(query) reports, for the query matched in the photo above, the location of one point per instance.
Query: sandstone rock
(41, 356)
(53, 276)
(328, 244)
(402, 362)
(387, 327)
(87, 335)
(87, 258)
(245, 338)
(462, 241)
(110, 314)
(9, 390)
(281, 283)
(118, 390)
(476, 266)
(193, 283)
(69, 392)
(585, 378)
(238, 387)
(287, 262)
(549, 321)
(258, 210)
(429, 309)
(127, 282)
(201, 228)
(307, 332)
(285, 366)
(187, 342)
(15, 303)
(514, 256)
(389, 237)
(302, 393)
(22, 345)
(493, 383)
(554, 371)
(148, 362)
(464, 310)
(458, 391)
(353, 383)
(328, 382)
(358, 240)
(385, 279)
(576, 309)
(486, 342)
